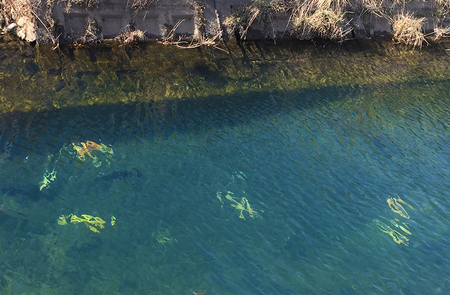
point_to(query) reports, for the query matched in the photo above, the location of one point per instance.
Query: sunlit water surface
(316, 168)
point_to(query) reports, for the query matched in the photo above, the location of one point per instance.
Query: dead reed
(92, 33)
(137, 5)
(130, 37)
(445, 4)
(320, 19)
(375, 7)
(440, 32)
(84, 3)
(407, 29)
(169, 39)
(255, 10)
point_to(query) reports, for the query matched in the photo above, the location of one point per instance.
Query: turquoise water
(316, 167)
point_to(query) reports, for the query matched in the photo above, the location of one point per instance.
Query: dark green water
(317, 168)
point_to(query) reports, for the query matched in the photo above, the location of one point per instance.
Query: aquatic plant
(48, 178)
(91, 222)
(62, 220)
(242, 206)
(50, 170)
(85, 149)
(397, 236)
(401, 228)
(163, 237)
(396, 206)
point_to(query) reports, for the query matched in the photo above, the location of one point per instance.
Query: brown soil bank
(39, 78)
(207, 21)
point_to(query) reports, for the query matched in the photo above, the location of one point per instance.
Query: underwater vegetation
(50, 172)
(48, 178)
(398, 234)
(82, 150)
(163, 237)
(80, 80)
(396, 206)
(242, 206)
(85, 149)
(93, 223)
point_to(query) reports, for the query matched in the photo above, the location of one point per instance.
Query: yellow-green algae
(41, 78)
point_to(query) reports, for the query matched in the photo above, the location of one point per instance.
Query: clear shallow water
(317, 167)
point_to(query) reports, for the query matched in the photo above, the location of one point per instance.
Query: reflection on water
(331, 191)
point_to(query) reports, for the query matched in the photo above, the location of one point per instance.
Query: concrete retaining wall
(199, 18)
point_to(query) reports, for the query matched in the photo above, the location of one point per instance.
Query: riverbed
(313, 189)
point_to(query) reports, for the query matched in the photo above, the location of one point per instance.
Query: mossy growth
(110, 74)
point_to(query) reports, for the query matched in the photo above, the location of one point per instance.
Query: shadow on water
(45, 132)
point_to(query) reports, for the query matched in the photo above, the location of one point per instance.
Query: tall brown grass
(375, 7)
(407, 29)
(12, 10)
(440, 32)
(444, 3)
(320, 18)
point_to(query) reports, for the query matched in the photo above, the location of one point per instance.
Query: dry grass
(12, 10)
(407, 29)
(440, 32)
(444, 3)
(260, 10)
(375, 7)
(130, 36)
(320, 18)
(84, 3)
(92, 34)
(137, 5)
(183, 44)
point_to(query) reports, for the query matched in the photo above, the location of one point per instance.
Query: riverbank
(205, 22)
(43, 78)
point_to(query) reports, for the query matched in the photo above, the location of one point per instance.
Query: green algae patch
(41, 78)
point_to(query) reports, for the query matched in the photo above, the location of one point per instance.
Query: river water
(320, 191)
